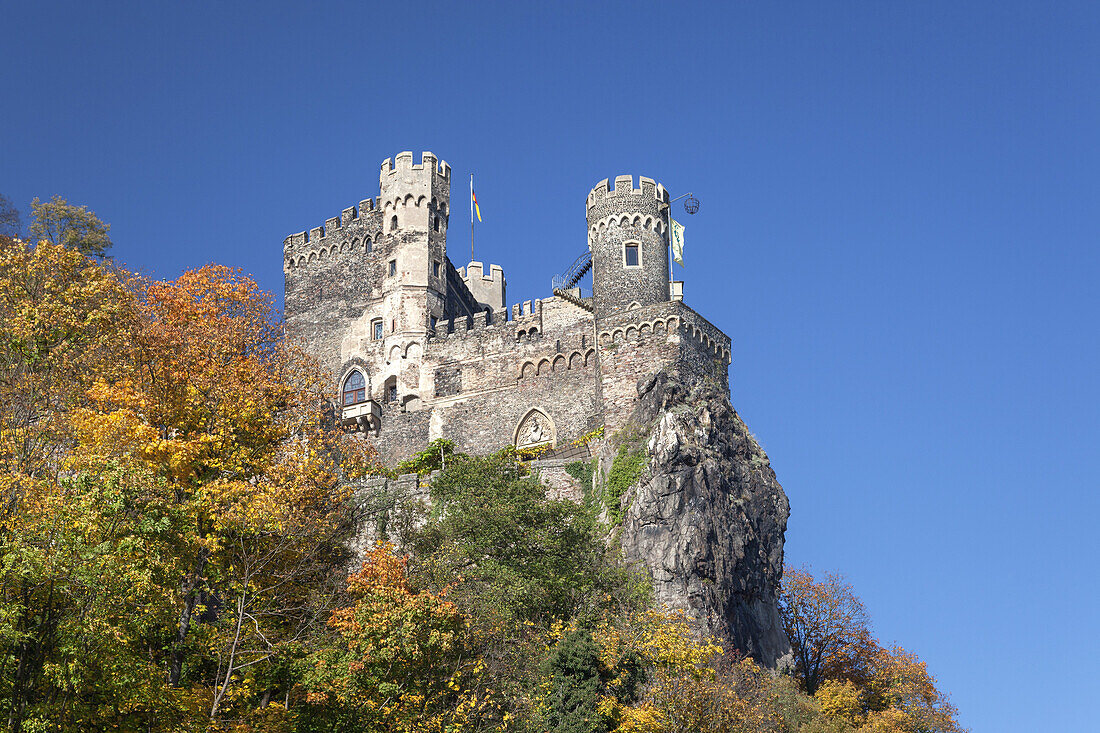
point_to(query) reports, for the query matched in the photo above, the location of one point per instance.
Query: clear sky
(898, 229)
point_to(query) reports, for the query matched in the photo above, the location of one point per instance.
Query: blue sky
(898, 229)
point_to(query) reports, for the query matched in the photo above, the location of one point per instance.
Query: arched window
(393, 223)
(367, 245)
(355, 388)
(435, 222)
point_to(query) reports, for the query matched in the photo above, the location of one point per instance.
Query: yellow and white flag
(677, 242)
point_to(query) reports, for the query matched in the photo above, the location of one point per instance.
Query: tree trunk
(190, 600)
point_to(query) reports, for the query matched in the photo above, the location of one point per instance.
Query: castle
(422, 350)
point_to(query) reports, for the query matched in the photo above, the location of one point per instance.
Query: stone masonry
(419, 349)
(373, 291)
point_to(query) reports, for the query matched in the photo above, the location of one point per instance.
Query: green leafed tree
(70, 226)
(573, 669)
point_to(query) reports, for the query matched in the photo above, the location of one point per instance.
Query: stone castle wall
(374, 291)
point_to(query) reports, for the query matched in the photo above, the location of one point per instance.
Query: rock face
(708, 517)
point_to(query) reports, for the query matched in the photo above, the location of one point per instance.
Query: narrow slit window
(393, 267)
(393, 223)
(435, 269)
(631, 255)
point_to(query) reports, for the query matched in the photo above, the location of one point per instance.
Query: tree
(404, 660)
(827, 626)
(70, 226)
(856, 682)
(575, 680)
(10, 223)
(511, 548)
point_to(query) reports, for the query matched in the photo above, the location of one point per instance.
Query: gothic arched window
(355, 388)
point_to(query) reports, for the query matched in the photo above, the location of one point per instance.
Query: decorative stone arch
(357, 393)
(633, 305)
(419, 200)
(631, 332)
(576, 360)
(589, 357)
(536, 428)
(527, 370)
(559, 363)
(616, 334)
(658, 328)
(396, 353)
(312, 256)
(544, 367)
(532, 332)
(412, 351)
(645, 329)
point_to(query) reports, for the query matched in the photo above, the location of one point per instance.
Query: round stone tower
(628, 238)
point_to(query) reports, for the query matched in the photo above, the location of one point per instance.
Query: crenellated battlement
(525, 321)
(624, 186)
(404, 162)
(671, 317)
(304, 242)
(477, 270)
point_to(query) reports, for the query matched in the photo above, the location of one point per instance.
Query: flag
(677, 242)
(473, 202)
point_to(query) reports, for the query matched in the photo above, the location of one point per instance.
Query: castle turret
(628, 238)
(414, 200)
(488, 288)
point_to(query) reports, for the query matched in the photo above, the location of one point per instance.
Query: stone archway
(535, 429)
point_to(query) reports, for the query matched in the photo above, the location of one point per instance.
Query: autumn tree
(10, 224)
(70, 226)
(405, 660)
(827, 626)
(856, 682)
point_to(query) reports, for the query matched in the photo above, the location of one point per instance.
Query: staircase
(563, 284)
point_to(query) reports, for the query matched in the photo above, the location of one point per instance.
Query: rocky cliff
(708, 516)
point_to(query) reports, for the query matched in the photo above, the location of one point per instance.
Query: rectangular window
(435, 269)
(433, 322)
(376, 329)
(631, 255)
(393, 267)
(391, 393)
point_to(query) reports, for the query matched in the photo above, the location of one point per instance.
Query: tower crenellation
(628, 238)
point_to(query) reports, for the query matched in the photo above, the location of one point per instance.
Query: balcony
(366, 415)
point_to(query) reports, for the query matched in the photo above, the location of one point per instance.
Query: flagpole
(471, 217)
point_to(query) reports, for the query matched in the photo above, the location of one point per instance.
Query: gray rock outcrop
(708, 517)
